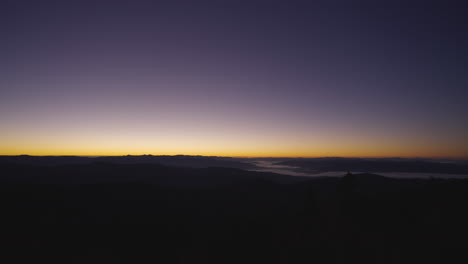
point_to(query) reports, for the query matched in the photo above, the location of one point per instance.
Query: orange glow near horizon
(96, 147)
(217, 137)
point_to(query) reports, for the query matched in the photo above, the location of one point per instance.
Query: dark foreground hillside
(147, 213)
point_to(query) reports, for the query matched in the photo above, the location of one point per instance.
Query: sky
(234, 78)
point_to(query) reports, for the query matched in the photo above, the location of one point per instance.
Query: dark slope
(146, 213)
(105, 172)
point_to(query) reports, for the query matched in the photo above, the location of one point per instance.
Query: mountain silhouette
(178, 160)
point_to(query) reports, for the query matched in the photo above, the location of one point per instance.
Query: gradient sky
(234, 78)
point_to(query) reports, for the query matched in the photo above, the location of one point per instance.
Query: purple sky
(234, 78)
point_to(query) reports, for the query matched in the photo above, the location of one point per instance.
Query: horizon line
(246, 157)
